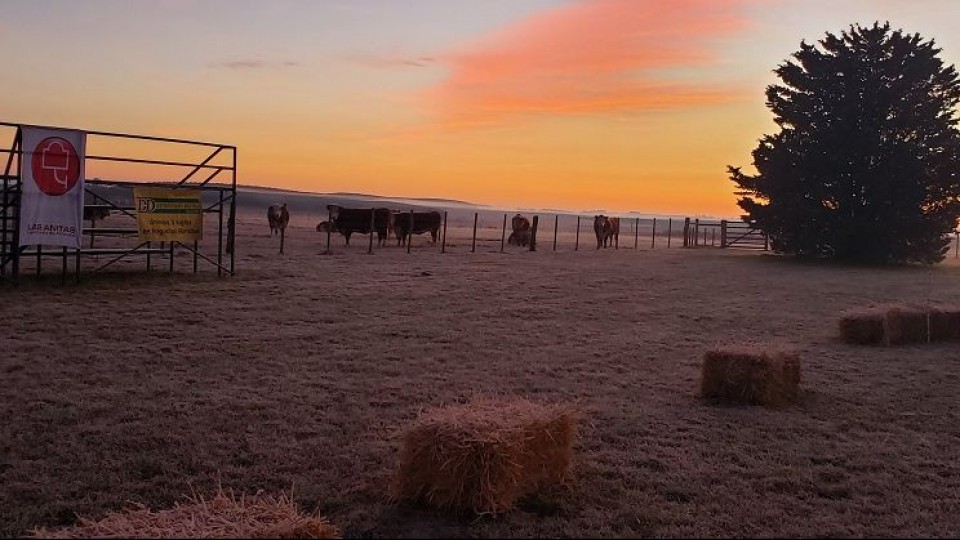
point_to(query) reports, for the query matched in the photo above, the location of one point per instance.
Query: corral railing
(159, 162)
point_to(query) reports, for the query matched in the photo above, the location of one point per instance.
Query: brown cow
(273, 218)
(521, 231)
(613, 232)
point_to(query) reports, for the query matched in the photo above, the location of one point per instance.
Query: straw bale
(899, 324)
(906, 324)
(483, 456)
(863, 327)
(944, 324)
(224, 516)
(746, 376)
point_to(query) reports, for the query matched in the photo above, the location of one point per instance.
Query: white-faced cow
(347, 221)
(521, 231)
(607, 230)
(422, 222)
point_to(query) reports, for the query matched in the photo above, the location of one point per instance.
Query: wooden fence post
(329, 227)
(410, 232)
(503, 232)
(473, 248)
(723, 233)
(653, 235)
(533, 233)
(372, 216)
(686, 232)
(443, 243)
(696, 232)
(556, 227)
(669, 231)
(576, 243)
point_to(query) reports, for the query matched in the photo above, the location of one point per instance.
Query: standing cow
(607, 230)
(273, 218)
(347, 221)
(521, 231)
(422, 222)
(613, 232)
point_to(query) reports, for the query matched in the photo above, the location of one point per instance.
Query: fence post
(653, 235)
(686, 232)
(556, 227)
(473, 248)
(723, 233)
(576, 243)
(696, 232)
(372, 223)
(329, 227)
(533, 233)
(443, 243)
(713, 236)
(669, 231)
(503, 232)
(766, 242)
(410, 232)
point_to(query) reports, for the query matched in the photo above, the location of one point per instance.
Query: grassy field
(302, 371)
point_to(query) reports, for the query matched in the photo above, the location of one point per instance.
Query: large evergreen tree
(866, 165)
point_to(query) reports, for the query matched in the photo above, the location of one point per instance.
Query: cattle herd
(384, 222)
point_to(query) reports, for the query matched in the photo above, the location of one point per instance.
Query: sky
(614, 105)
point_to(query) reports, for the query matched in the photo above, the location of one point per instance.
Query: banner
(169, 215)
(51, 172)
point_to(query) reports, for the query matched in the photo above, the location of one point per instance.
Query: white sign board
(51, 172)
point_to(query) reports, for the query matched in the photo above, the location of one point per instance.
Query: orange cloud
(592, 56)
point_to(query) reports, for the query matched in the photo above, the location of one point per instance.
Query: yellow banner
(169, 215)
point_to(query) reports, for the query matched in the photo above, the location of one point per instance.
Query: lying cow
(347, 221)
(422, 222)
(521, 231)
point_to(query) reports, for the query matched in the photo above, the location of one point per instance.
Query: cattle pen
(200, 174)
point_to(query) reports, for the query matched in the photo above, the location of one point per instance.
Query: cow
(613, 232)
(284, 218)
(273, 218)
(521, 231)
(607, 230)
(347, 221)
(422, 222)
(600, 225)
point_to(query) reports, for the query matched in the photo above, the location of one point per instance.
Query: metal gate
(214, 175)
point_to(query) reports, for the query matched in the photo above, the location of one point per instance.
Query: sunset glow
(621, 105)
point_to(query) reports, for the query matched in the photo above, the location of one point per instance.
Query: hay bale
(224, 516)
(483, 456)
(905, 324)
(863, 327)
(944, 324)
(771, 379)
(899, 324)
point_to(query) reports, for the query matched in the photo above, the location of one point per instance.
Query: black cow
(422, 222)
(521, 231)
(347, 221)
